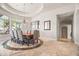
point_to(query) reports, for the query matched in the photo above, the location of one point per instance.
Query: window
(4, 23)
(35, 25)
(15, 24)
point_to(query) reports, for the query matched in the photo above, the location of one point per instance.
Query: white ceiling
(31, 9)
(66, 17)
(25, 7)
(22, 9)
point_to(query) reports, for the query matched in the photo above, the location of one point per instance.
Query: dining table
(28, 35)
(28, 38)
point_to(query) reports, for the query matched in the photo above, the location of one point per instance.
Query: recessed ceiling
(23, 9)
(31, 9)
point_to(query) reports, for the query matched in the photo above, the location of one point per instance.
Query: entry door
(64, 32)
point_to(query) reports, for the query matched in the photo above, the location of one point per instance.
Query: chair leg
(11, 39)
(33, 42)
(28, 42)
(37, 41)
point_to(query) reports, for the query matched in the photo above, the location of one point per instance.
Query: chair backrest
(36, 34)
(12, 34)
(19, 32)
(15, 34)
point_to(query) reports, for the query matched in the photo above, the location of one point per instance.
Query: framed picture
(47, 25)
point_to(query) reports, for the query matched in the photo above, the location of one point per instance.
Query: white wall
(76, 27)
(47, 33)
(69, 31)
(52, 16)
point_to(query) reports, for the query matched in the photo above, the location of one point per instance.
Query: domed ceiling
(23, 9)
(29, 10)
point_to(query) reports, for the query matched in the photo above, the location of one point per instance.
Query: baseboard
(77, 43)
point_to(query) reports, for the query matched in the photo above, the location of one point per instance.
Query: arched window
(4, 23)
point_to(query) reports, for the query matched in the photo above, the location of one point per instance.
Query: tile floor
(49, 48)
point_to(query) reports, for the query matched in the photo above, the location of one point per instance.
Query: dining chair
(36, 35)
(20, 37)
(19, 33)
(14, 35)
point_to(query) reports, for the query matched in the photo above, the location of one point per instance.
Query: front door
(64, 32)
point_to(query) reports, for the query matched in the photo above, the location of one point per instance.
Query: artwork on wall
(47, 25)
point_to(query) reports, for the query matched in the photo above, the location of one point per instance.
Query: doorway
(65, 27)
(64, 32)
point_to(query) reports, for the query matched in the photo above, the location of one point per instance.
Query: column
(10, 25)
(76, 26)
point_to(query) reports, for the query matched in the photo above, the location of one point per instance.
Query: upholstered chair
(20, 37)
(12, 35)
(36, 35)
(19, 32)
(15, 34)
